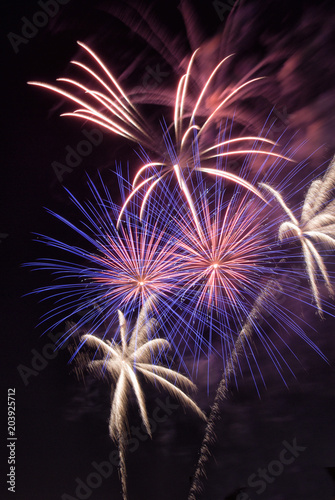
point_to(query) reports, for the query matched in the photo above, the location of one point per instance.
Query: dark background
(61, 424)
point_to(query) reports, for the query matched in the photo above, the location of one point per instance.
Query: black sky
(61, 425)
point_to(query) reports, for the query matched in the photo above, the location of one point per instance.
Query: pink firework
(224, 265)
(107, 105)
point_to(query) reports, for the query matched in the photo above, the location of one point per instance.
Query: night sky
(63, 450)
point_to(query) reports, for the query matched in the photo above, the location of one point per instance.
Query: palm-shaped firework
(123, 363)
(317, 223)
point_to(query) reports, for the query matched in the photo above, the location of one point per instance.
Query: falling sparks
(317, 223)
(121, 117)
(124, 364)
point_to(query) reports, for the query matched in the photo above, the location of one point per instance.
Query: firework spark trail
(121, 117)
(122, 362)
(317, 223)
(267, 303)
(243, 341)
(171, 50)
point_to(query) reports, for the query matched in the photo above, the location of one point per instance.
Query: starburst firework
(118, 268)
(204, 282)
(223, 266)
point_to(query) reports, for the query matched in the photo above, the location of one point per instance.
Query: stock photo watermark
(279, 122)
(75, 155)
(104, 469)
(41, 358)
(223, 8)
(31, 27)
(153, 77)
(260, 480)
(11, 441)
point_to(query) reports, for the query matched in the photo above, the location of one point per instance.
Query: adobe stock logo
(31, 27)
(153, 77)
(223, 8)
(74, 155)
(265, 476)
(40, 359)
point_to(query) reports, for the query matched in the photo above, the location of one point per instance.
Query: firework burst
(204, 261)
(223, 265)
(107, 105)
(124, 364)
(317, 223)
(204, 281)
(118, 268)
